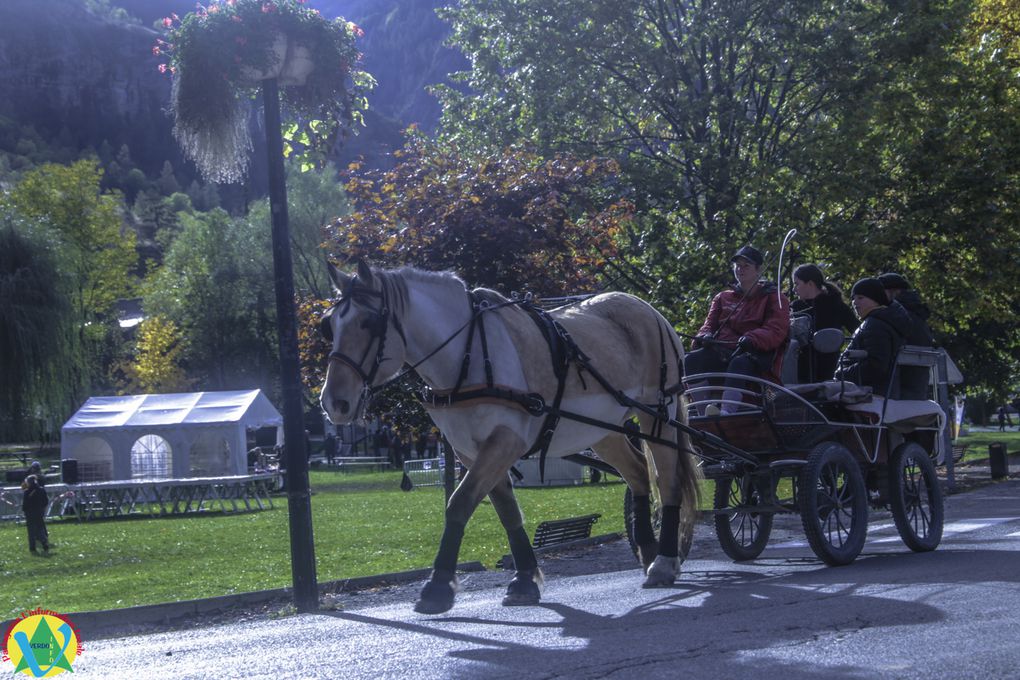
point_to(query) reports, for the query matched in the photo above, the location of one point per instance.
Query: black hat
(871, 288)
(749, 253)
(894, 282)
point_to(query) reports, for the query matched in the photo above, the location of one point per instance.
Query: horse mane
(396, 282)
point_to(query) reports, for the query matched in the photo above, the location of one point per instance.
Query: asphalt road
(953, 613)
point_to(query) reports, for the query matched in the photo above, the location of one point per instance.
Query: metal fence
(427, 471)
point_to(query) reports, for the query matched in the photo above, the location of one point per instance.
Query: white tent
(197, 434)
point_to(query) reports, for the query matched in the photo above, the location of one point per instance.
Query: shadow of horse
(725, 624)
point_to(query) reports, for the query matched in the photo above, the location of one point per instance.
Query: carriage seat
(904, 415)
(833, 392)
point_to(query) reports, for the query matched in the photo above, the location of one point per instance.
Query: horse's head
(368, 343)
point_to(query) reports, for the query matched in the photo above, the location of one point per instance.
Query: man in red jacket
(745, 332)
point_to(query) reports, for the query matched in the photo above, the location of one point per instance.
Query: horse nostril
(343, 405)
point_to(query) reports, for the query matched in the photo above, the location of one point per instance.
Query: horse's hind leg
(677, 479)
(630, 462)
(527, 583)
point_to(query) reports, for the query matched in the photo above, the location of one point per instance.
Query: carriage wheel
(915, 498)
(742, 533)
(684, 541)
(833, 504)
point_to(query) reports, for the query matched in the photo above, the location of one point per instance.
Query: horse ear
(339, 279)
(364, 272)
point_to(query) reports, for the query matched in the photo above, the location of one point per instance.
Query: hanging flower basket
(218, 56)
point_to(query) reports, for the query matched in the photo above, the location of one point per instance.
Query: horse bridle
(377, 322)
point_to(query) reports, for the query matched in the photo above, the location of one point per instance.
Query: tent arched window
(151, 458)
(95, 460)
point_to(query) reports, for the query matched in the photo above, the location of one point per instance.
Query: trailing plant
(218, 55)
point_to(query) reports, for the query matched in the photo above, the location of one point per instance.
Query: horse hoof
(647, 553)
(662, 573)
(437, 595)
(525, 589)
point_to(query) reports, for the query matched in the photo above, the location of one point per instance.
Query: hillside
(74, 80)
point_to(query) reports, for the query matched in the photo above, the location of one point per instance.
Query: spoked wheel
(742, 532)
(915, 498)
(684, 541)
(833, 504)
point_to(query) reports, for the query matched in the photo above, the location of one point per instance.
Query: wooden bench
(959, 451)
(564, 530)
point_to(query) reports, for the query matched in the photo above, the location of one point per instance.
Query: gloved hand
(699, 340)
(745, 344)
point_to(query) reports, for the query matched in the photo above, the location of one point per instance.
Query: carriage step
(557, 531)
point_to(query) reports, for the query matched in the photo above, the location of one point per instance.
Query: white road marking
(951, 529)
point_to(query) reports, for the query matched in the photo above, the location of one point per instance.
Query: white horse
(494, 407)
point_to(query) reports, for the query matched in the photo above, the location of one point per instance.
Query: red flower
(267, 7)
(155, 50)
(162, 68)
(235, 18)
(167, 22)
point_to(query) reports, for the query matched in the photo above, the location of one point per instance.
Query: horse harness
(562, 349)
(563, 352)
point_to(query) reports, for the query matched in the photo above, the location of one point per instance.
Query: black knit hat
(751, 254)
(871, 288)
(894, 282)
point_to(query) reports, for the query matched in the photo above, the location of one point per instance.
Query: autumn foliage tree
(512, 221)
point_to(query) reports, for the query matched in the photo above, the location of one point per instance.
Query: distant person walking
(1003, 419)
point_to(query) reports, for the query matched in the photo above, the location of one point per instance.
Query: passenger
(881, 334)
(913, 379)
(822, 301)
(751, 321)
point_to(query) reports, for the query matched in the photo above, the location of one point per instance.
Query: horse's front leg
(498, 453)
(528, 581)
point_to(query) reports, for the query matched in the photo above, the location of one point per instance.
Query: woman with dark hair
(821, 301)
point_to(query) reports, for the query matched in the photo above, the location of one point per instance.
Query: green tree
(315, 199)
(216, 286)
(96, 255)
(33, 318)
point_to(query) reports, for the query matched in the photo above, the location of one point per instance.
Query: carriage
(827, 451)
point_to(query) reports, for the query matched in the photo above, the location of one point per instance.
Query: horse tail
(689, 475)
(688, 471)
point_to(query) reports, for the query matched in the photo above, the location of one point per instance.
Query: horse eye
(326, 328)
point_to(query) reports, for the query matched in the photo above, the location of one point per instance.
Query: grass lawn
(979, 441)
(363, 525)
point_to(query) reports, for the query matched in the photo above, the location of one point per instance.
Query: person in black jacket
(821, 301)
(880, 335)
(913, 379)
(34, 502)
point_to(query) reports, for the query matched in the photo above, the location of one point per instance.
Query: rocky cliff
(86, 80)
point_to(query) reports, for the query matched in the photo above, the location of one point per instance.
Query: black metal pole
(302, 546)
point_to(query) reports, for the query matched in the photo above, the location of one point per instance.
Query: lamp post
(302, 546)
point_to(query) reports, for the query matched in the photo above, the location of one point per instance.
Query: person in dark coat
(913, 379)
(821, 301)
(751, 324)
(881, 334)
(34, 502)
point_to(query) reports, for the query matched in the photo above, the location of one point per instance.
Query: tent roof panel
(249, 407)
